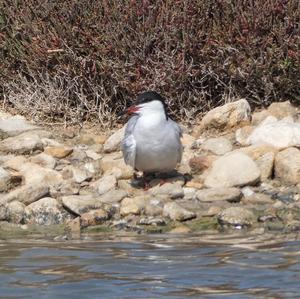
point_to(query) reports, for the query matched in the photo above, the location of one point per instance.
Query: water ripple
(162, 266)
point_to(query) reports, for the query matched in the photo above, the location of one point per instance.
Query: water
(228, 266)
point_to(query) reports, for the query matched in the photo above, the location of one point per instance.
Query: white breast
(157, 144)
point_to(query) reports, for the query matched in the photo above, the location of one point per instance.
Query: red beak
(132, 109)
(129, 111)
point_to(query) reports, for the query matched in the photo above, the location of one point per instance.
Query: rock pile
(238, 170)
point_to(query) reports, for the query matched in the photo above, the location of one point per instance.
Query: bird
(151, 142)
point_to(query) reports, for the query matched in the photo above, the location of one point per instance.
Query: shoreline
(239, 172)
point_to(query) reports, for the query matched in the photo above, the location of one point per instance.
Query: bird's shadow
(150, 180)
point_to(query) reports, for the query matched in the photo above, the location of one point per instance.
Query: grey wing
(178, 131)
(129, 143)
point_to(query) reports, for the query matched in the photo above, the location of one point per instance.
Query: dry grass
(58, 101)
(76, 61)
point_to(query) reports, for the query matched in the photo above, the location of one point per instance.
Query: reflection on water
(228, 266)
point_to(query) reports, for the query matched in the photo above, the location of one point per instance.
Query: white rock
(172, 190)
(259, 116)
(113, 143)
(4, 158)
(93, 167)
(15, 211)
(24, 143)
(219, 194)
(13, 126)
(67, 187)
(282, 110)
(94, 217)
(233, 169)
(78, 155)
(44, 160)
(228, 115)
(114, 164)
(15, 162)
(242, 135)
(79, 175)
(263, 156)
(236, 216)
(113, 196)
(218, 146)
(176, 212)
(123, 173)
(93, 155)
(5, 178)
(26, 194)
(80, 204)
(45, 211)
(280, 134)
(189, 193)
(154, 206)
(257, 199)
(42, 133)
(265, 164)
(91, 139)
(50, 142)
(287, 165)
(35, 174)
(111, 160)
(247, 191)
(132, 205)
(105, 184)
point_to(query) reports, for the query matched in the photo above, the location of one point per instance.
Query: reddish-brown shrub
(100, 54)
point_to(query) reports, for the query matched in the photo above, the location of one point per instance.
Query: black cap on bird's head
(149, 96)
(146, 97)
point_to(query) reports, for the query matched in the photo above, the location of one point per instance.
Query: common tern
(151, 142)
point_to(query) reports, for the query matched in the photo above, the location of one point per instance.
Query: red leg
(147, 177)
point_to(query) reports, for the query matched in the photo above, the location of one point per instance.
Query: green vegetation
(204, 223)
(13, 231)
(97, 229)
